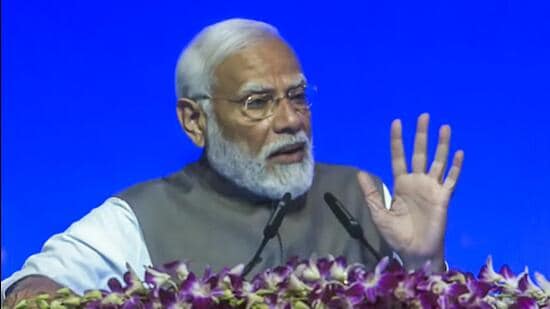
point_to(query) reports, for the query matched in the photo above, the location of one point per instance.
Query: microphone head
(337, 208)
(277, 216)
(329, 198)
(346, 219)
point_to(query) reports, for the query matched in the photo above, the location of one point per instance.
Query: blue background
(88, 105)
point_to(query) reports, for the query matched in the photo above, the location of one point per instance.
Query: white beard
(252, 173)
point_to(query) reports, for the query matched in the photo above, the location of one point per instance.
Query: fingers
(373, 196)
(420, 144)
(399, 165)
(439, 165)
(419, 158)
(454, 172)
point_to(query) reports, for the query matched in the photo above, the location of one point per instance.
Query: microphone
(352, 226)
(274, 222)
(270, 230)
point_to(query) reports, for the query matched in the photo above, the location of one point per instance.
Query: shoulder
(113, 214)
(150, 190)
(343, 178)
(336, 173)
(325, 170)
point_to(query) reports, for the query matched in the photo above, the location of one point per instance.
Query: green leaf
(42, 304)
(92, 295)
(64, 292)
(72, 301)
(44, 296)
(56, 304)
(113, 299)
(300, 305)
(22, 304)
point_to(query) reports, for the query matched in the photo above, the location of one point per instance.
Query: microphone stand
(270, 230)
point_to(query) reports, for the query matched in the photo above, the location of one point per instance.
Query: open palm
(415, 225)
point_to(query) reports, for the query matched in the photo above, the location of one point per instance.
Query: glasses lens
(302, 97)
(261, 106)
(258, 106)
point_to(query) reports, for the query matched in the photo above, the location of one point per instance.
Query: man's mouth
(288, 154)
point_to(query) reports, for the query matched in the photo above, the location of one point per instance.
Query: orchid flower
(157, 278)
(315, 283)
(488, 274)
(199, 292)
(133, 284)
(177, 270)
(338, 269)
(377, 283)
(309, 271)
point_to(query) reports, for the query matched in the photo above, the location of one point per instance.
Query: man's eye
(257, 102)
(298, 93)
(298, 96)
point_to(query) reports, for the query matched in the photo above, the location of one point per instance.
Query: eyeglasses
(259, 106)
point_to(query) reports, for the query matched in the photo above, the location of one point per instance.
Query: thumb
(373, 196)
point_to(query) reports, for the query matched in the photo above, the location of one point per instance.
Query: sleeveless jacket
(197, 215)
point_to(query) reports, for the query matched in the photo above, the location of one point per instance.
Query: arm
(29, 287)
(88, 254)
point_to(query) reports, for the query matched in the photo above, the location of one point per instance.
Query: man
(243, 97)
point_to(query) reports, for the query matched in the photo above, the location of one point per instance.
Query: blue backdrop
(88, 105)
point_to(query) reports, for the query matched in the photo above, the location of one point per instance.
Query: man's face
(269, 156)
(267, 66)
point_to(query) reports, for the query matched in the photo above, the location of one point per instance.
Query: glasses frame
(309, 91)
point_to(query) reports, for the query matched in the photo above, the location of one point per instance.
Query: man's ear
(192, 120)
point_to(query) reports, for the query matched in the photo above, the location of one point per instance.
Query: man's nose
(287, 119)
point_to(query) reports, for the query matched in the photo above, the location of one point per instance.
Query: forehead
(270, 62)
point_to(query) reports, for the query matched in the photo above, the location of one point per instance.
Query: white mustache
(284, 141)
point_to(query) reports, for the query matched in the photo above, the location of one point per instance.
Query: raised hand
(415, 225)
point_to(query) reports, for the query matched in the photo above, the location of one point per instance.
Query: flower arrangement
(315, 283)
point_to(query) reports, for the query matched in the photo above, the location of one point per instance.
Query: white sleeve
(387, 196)
(91, 251)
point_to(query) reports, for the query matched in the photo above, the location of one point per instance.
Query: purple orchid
(527, 288)
(308, 271)
(133, 283)
(376, 284)
(488, 274)
(543, 283)
(200, 293)
(158, 279)
(477, 290)
(314, 283)
(406, 286)
(133, 302)
(177, 270)
(338, 269)
(273, 279)
(524, 302)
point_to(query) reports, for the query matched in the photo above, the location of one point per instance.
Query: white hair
(195, 78)
(209, 48)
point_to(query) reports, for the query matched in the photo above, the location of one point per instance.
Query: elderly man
(243, 97)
